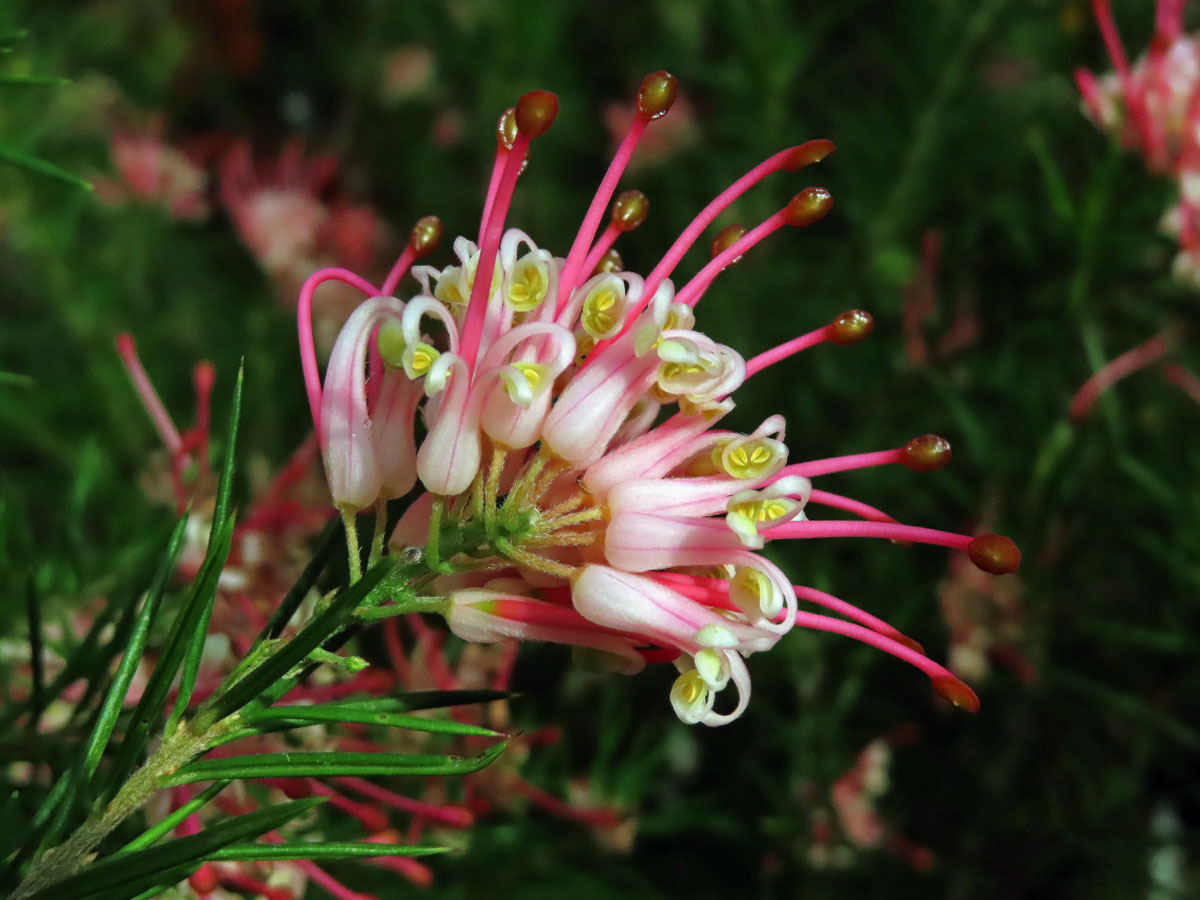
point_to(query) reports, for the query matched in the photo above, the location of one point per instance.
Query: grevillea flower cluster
(555, 425)
(1153, 107)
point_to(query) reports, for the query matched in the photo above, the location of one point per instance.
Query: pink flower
(595, 517)
(1153, 106)
(155, 172)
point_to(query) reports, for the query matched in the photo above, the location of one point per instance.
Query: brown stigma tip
(927, 452)
(908, 642)
(506, 128)
(850, 327)
(810, 205)
(994, 553)
(629, 210)
(610, 262)
(726, 238)
(808, 153)
(656, 94)
(536, 112)
(957, 692)
(426, 235)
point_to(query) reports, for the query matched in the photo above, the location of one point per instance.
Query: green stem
(377, 537)
(66, 859)
(354, 554)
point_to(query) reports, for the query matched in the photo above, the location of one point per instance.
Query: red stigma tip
(629, 211)
(810, 205)
(957, 692)
(426, 235)
(850, 327)
(536, 112)
(926, 453)
(204, 375)
(506, 128)
(726, 238)
(994, 554)
(657, 94)
(808, 153)
(204, 880)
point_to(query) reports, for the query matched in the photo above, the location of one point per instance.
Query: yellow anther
(751, 583)
(423, 358)
(762, 510)
(529, 284)
(450, 288)
(600, 311)
(533, 372)
(673, 370)
(690, 688)
(750, 459)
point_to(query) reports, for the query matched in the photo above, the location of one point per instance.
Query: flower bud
(656, 95)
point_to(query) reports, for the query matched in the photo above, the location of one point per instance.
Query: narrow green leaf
(321, 765)
(331, 850)
(225, 485)
(23, 160)
(112, 873)
(276, 666)
(197, 615)
(219, 541)
(115, 700)
(164, 827)
(417, 700)
(154, 697)
(150, 887)
(348, 712)
(326, 544)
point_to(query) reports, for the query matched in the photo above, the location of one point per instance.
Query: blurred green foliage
(958, 117)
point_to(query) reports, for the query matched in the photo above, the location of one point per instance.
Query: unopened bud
(810, 205)
(506, 128)
(629, 211)
(656, 94)
(726, 238)
(850, 327)
(610, 262)
(926, 453)
(994, 553)
(203, 376)
(957, 692)
(536, 112)
(808, 153)
(426, 235)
